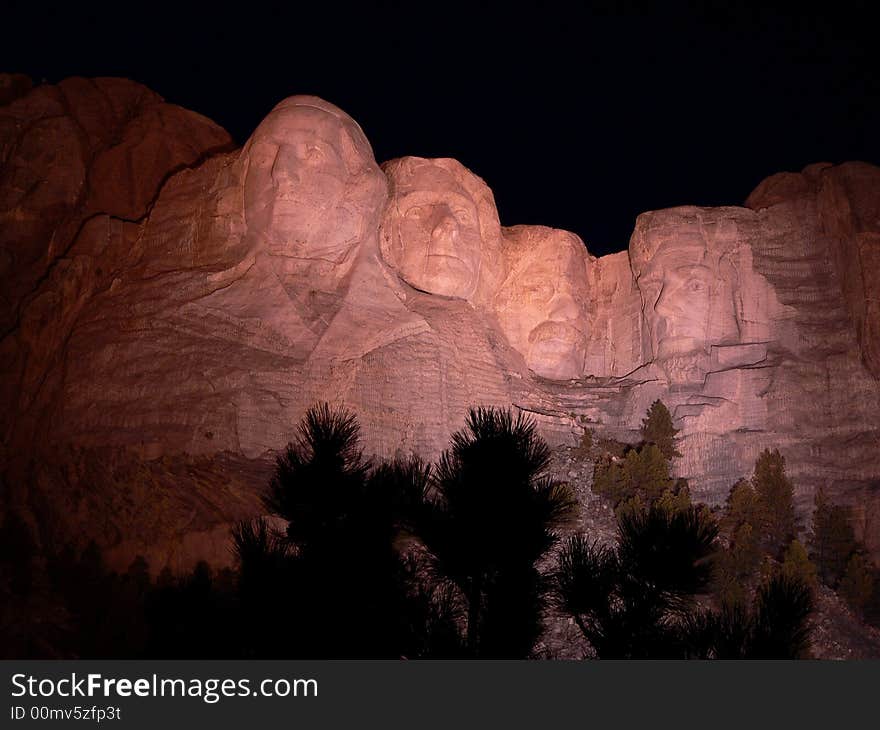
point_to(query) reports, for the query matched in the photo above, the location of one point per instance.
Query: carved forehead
(305, 117)
(411, 174)
(454, 196)
(441, 178)
(291, 124)
(546, 248)
(427, 178)
(539, 256)
(681, 236)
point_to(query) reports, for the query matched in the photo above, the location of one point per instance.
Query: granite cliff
(172, 305)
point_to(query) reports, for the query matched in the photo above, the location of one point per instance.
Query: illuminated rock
(83, 148)
(614, 344)
(845, 202)
(181, 314)
(740, 362)
(441, 233)
(239, 272)
(312, 189)
(542, 304)
(698, 288)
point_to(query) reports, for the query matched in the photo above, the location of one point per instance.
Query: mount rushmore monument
(171, 305)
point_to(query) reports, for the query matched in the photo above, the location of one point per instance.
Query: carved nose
(664, 308)
(286, 183)
(563, 308)
(285, 178)
(445, 230)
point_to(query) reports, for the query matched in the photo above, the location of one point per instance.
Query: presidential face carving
(312, 189)
(686, 274)
(542, 304)
(441, 226)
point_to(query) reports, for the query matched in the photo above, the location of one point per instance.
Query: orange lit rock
(542, 305)
(82, 148)
(172, 307)
(699, 289)
(441, 232)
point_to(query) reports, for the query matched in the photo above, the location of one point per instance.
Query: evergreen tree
(797, 566)
(643, 472)
(724, 634)
(833, 540)
(335, 570)
(668, 552)
(319, 480)
(780, 627)
(609, 481)
(857, 585)
(776, 627)
(745, 550)
(775, 500)
(677, 499)
(629, 507)
(491, 515)
(634, 602)
(647, 472)
(741, 507)
(657, 429)
(730, 591)
(736, 564)
(267, 590)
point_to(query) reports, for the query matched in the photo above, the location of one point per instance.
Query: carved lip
(680, 327)
(301, 200)
(445, 256)
(555, 350)
(550, 330)
(671, 346)
(447, 261)
(554, 359)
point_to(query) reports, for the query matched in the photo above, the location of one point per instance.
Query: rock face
(172, 306)
(83, 148)
(441, 232)
(543, 304)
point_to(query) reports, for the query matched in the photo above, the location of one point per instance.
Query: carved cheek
(411, 246)
(563, 307)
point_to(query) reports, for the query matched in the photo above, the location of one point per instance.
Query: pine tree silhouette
(491, 514)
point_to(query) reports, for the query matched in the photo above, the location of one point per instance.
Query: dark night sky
(579, 119)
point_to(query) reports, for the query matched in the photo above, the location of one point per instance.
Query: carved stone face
(312, 186)
(542, 305)
(688, 287)
(677, 290)
(434, 232)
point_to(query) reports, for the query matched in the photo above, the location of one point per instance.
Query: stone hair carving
(542, 304)
(441, 232)
(312, 188)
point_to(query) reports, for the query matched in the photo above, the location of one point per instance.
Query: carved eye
(314, 153)
(696, 285)
(263, 154)
(414, 212)
(539, 292)
(463, 215)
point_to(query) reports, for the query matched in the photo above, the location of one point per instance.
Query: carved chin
(555, 359)
(676, 346)
(685, 369)
(452, 280)
(312, 236)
